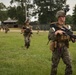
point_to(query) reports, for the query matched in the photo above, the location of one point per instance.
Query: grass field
(15, 59)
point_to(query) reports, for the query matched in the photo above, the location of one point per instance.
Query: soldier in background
(27, 31)
(37, 28)
(0, 25)
(6, 28)
(59, 45)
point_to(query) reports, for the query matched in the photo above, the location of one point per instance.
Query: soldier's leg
(28, 42)
(55, 61)
(67, 61)
(5, 31)
(24, 40)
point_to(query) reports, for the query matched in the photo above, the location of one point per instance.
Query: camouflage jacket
(52, 31)
(59, 38)
(27, 30)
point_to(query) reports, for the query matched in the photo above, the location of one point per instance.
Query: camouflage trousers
(27, 41)
(64, 54)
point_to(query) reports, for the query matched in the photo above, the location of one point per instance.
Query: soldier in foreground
(60, 44)
(27, 31)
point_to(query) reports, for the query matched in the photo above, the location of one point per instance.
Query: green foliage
(3, 13)
(74, 15)
(20, 14)
(16, 13)
(12, 12)
(20, 10)
(15, 59)
(69, 19)
(2, 6)
(46, 9)
(74, 18)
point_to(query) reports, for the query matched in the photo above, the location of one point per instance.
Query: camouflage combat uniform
(6, 28)
(27, 33)
(37, 28)
(60, 51)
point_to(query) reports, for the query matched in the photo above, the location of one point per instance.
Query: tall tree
(12, 12)
(74, 18)
(74, 15)
(46, 9)
(2, 6)
(22, 8)
(19, 2)
(3, 12)
(16, 13)
(69, 19)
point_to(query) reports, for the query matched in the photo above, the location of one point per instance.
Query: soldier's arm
(59, 32)
(53, 38)
(52, 34)
(31, 28)
(23, 29)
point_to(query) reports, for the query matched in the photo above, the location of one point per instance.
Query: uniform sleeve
(23, 27)
(52, 34)
(69, 27)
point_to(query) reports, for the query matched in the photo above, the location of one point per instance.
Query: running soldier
(27, 31)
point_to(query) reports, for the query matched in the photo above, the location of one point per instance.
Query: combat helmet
(60, 13)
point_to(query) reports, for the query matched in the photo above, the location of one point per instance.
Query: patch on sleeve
(53, 28)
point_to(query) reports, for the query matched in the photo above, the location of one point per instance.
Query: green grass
(15, 59)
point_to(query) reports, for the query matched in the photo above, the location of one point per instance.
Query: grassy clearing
(15, 59)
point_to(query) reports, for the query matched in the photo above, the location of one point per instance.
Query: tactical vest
(27, 30)
(60, 39)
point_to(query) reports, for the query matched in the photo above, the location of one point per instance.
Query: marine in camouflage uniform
(27, 31)
(6, 28)
(37, 28)
(59, 46)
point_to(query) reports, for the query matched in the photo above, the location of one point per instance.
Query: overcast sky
(70, 2)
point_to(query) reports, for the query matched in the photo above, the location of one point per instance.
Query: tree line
(45, 9)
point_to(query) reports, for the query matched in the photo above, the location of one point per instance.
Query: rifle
(67, 31)
(49, 38)
(48, 42)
